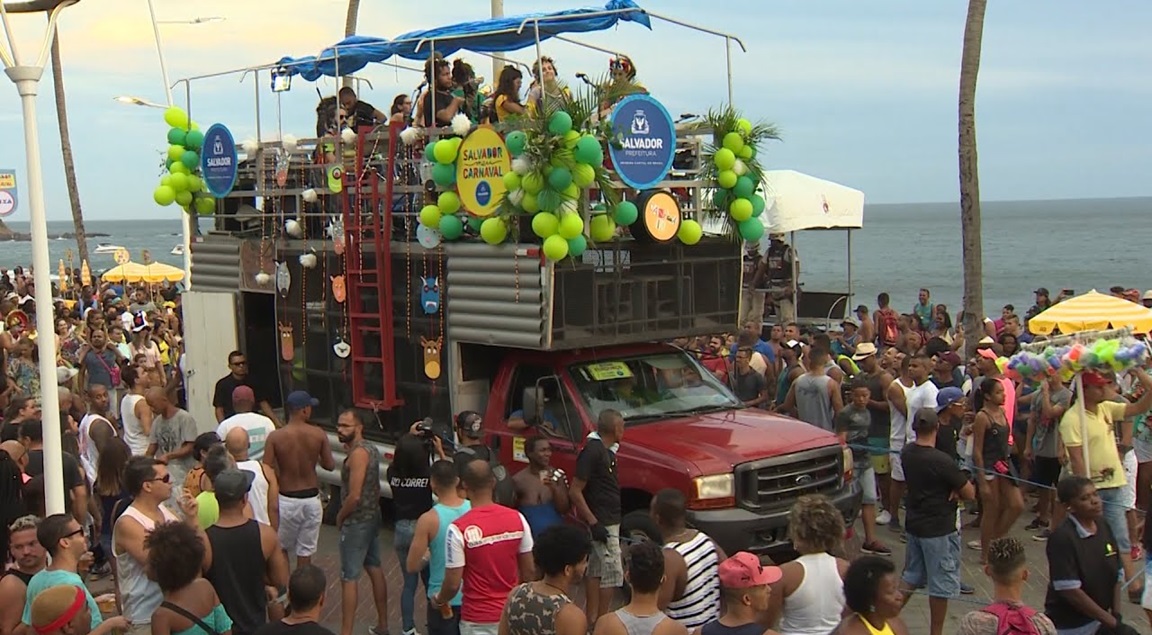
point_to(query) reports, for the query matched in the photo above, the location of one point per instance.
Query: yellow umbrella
(1092, 311)
(62, 273)
(135, 272)
(85, 274)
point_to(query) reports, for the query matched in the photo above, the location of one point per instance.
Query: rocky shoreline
(7, 235)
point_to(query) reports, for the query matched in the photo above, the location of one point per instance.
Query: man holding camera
(595, 493)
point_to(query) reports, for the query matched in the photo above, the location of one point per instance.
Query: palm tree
(970, 177)
(66, 149)
(350, 29)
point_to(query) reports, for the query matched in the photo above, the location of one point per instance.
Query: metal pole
(849, 307)
(728, 61)
(497, 60)
(160, 55)
(190, 218)
(27, 80)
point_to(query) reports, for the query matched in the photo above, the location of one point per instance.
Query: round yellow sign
(121, 256)
(661, 216)
(480, 168)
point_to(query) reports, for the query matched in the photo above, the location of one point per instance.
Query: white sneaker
(883, 518)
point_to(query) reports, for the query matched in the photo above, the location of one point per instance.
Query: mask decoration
(430, 295)
(341, 349)
(339, 292)
(336, 232)
(432, 356)
(283, 278)
(287, 346)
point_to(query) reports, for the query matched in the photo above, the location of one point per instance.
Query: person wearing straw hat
(1088, 434)
(64, 609)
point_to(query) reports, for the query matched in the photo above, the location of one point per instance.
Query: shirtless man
(29, 558)
(541, 490)
(293, 452)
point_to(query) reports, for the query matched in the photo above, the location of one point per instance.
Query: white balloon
(294, 228)
(348, 135)
(409, 135)
(521, 166)
(308, 261)
(263, 278)
(309, 195)
(740, 168)
(250, 146)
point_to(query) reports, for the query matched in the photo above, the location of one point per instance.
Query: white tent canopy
(797, 201)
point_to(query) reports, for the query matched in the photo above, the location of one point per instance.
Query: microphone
(584, 78)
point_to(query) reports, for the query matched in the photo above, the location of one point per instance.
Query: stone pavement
(915, 614)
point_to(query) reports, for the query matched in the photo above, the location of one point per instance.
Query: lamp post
(138, 101)
(26, 77)
(497, 60)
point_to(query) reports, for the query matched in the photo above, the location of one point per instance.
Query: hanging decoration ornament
(283, 278)
(339, 291)
(730, 162)
(287, 344)
(341, 349)
(181, 181)
(1103, 355)
(432, 356)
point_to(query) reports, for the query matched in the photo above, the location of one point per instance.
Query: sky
(864, 93)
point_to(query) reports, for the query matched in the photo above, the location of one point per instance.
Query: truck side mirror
(533, 405)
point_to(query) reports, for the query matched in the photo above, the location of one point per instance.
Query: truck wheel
(638, 525)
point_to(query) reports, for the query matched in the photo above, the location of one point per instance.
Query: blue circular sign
(218, 161)
(483, 192)
(647, 141)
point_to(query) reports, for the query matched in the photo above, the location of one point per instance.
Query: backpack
(889, 327)
(505, 492)
(1013, 619)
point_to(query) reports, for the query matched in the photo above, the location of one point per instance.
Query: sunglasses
(167, 478)
(75, 533)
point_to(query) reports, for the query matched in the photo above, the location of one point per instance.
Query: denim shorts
(359, 548)
(935, 563)
(1116, 513)
(867, 478)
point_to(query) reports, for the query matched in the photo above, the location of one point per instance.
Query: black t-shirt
(596, 466)
(280, 628)
(411, 495)
(443, 99)
(748, 387)
(931, 476)
(947, 437)
(1093, 561)
(222, 396)
(9, 432)
(72, 477)
(462, 457)
(941, 384)
(881, 426)
(364, 114)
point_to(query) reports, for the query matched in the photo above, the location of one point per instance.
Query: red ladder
(368, 269)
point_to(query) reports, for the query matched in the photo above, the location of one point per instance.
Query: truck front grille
(775, 483)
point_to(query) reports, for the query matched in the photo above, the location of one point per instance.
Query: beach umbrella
(85, 274)
(62, 273)
(155, 272)
(1092, 311)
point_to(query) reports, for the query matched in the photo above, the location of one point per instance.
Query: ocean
(1066, 244)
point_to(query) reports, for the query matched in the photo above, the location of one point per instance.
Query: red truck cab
(740, 468)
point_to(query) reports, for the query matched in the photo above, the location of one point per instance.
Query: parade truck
(403, 272)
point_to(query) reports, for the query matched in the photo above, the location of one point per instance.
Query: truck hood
(715, 443)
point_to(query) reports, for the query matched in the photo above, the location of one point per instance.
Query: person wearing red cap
(1092, 438)
(746, 587)
(64, 609)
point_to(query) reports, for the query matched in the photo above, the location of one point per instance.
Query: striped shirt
(700, 602)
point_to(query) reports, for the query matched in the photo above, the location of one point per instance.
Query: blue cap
(299, 400)
(948, 396)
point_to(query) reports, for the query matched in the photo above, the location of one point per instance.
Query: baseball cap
(232, 484)
(140, 322)
(1147, 295)
(861, 309)
(1092, 378)
(743, 570)
(987, 353)
(471, 424)
(950, 357)
(243, 393)
(299, 400)
(948, 396)
(792, 344)
(850, 321)
(1041, 291)
(864, 350)
(924, 420)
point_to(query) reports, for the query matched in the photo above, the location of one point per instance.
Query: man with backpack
(470, 433)
(1007, 615)
(887, 323)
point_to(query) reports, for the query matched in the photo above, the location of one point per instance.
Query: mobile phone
(1068, 291)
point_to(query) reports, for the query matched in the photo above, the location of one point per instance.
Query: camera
(424, 428)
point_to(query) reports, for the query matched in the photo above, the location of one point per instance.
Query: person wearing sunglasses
(225, 387)
(64, 540)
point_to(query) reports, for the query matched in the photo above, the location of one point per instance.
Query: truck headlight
(715, 486)
(847, 464)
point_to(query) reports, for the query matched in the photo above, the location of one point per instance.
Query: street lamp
(26, 77)
(137, 101)
(211, 18)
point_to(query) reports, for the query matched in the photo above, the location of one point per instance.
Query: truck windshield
(651, 387)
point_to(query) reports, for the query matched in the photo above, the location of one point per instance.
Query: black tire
(638, 525)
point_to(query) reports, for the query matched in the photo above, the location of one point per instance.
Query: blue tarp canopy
(510, 33)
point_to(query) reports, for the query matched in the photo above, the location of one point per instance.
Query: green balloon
(583, 174)
(724, 159)
(549, 200)
(165, 180)
(190, 159)
(175, 152)
(184, 199)
(178, 182)
(444, 174)
(511, 181)
(194, 140)
(178, 168)
(530, 203)
(205, 205)
(445, 151)
(430, 216)
(745, 186)
(571, 226)
(690, 232)
(626, 213)
(532, 182)
(176, 117)
(757, 205)
(430, 152)
(560, 179)
(474, 223)
(720, 199)
(168, 163)
(560, 123)
(545, 224)
(448, 202)
(195, 184)
(726, 179)
(740, 210)
(450, 227)
(493, 231)
(164, 195)
(601, 228)
(516, 141)
(588, 151)
(751, 230)
(747, 153)
(733, 141)
(176, 136)
(577, 245)
(555, 247)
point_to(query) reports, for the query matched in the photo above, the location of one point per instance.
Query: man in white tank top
(690, 593)
(96, 430)
(149, 483)
(134, 411)
(264, 496)
(898, 436)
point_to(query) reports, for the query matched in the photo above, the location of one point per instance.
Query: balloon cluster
(550, 168)
(737, 180)
(1102, 355)
(181, 182)
(443, 216)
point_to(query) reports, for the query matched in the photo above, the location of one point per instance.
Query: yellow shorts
(881, 464)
